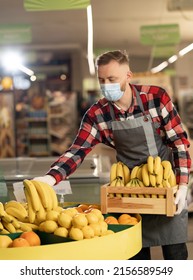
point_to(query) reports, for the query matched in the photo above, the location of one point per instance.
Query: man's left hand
(180, 199)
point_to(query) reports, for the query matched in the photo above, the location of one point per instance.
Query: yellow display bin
(121, 245)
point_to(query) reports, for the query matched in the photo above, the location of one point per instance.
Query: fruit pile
(42, 212)
(123, 219)
(26, 239)
(152, 173)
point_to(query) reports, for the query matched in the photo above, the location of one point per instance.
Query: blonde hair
(120, 56)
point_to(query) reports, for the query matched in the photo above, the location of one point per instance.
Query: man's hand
(50, 180)
(180, 200)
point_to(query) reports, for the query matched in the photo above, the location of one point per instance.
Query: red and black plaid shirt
(96, 128)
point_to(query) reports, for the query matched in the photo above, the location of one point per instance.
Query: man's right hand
(50, 180)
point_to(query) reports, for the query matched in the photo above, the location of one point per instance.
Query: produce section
(42, 215)
(71, 232)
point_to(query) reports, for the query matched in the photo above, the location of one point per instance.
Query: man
(138, 121)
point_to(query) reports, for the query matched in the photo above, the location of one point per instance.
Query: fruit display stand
(142, 200)
(125, 242)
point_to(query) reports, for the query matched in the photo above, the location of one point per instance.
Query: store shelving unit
(62, 119)
(38, 134)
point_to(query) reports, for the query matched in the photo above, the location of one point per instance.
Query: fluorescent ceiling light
(186, 50)
(26, 70)
(90, 55)
(172, 59)
(159, 67)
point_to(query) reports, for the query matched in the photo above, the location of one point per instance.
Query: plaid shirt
(96, 128)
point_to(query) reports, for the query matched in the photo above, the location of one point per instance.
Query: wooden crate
(144, 205)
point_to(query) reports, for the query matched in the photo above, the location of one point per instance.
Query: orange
(32, 238)
(111, 220)
(20, 242)
(124, 219)
(83, 207)
(79, 209)
(93, 206)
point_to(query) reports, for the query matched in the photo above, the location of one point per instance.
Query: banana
(126, 172)
(43, 194)
(41, 214)
(4, 231)
(141, 186)
(120, 173)
(14, 212)
(160, 186)
(17, 205)
(145, 175)
(53, 197)
(25, 227)
(139, 172)
(119, 184)
(167, 169)
(157, 165)
(150, 164)
(7, 218)
(33, 194)
(152, 179)
(134, 172)
(113, 172)
(172, 179)
(16, 223)
(2, 210)
(31, 212)
(166, 183)
(159, 176)
(112, 184)
(32, 226)
(9, 226)
(134, 185)
(1, 226)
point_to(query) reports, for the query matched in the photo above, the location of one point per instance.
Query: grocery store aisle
(156, 251)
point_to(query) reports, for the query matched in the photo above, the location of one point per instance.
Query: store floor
(156, 251)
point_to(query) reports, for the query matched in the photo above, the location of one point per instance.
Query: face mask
(111, 92)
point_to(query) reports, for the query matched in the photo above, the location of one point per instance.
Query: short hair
(120, 56)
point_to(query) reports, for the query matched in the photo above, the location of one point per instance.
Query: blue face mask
(111, 92)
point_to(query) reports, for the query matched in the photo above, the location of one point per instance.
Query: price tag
(19, 192)
(63, 188)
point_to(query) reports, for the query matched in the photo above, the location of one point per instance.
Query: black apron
(136, 139)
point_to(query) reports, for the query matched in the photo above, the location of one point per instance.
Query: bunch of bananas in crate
(153, 173)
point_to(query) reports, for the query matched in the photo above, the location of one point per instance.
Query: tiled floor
(156, 253)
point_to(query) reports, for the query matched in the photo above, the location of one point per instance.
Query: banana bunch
(40, 198)
(17, 217)
(134, 183)
(153, 173)
(160, 172)
(14, 218)
(119, 176)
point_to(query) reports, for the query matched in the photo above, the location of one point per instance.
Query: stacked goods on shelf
(152, 179)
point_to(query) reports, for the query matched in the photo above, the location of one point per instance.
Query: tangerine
(111, 220)
(19, 242)
(124, 219)
(83, 207)
(32, 238)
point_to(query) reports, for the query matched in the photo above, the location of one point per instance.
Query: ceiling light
(172, 59)
(90, 55)
(186, 50)
(159, 67)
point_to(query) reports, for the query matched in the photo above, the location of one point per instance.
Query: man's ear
(129, 75)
